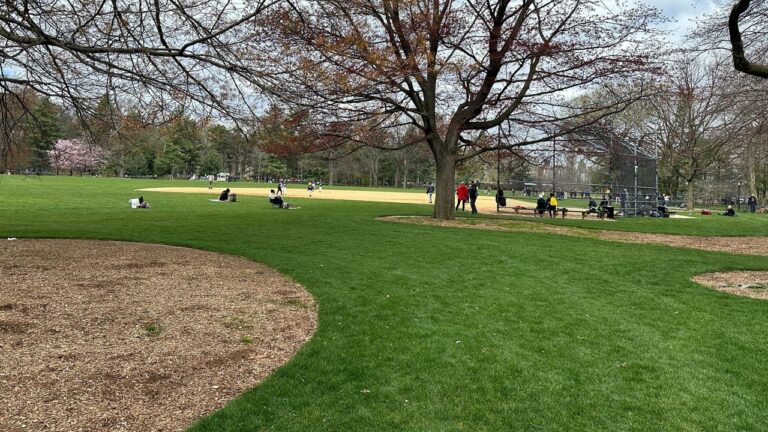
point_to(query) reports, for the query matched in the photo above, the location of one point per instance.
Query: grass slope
(437, 329)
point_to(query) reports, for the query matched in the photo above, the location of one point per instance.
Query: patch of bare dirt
(752, 284)
(111, 336)
(735, 245)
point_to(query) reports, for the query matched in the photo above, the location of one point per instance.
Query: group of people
(464, 194)
(546, 205)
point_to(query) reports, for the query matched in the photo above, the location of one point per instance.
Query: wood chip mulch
(752, 284)
(112, 336)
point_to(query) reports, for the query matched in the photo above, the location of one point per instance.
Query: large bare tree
(697, 114)
(150, 54)
(458, 69)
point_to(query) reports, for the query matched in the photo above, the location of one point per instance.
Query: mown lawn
(438, 329)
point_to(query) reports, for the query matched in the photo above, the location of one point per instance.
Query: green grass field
(426, 328)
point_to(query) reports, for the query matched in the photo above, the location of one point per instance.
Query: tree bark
(444, 193)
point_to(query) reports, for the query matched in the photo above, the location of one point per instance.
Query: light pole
(738, 195)
(553, 165)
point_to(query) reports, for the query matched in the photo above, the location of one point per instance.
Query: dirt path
(111, 336)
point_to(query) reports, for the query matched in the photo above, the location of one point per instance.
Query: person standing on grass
(552, 204)
(280, 187)
(752, 203)
(210, 181)
(310, 188)
(462, 195)
(473, 193)
(430, 191)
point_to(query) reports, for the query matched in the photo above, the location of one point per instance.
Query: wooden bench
(518, 210)
(598, 214)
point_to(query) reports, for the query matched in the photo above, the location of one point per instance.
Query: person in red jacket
(462, 195)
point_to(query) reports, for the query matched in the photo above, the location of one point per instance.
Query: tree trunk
(330, 171)
(690, 195)
(444, 193)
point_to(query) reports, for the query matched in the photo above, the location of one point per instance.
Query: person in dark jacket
(430, 191)
(541, 205)
(752, 203)
(473, 193)
(501, 200)
(224, 195)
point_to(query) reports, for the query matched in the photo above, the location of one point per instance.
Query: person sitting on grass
(142, 203)
(275, 199)
(729, 211)
(224, 195)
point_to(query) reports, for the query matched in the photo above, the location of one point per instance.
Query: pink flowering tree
(76, 156)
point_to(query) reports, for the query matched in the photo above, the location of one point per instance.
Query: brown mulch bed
(752, 284)
(111, 336)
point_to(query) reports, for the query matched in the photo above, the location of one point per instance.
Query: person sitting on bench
(541, 205)
(224, 195)
(592, 206)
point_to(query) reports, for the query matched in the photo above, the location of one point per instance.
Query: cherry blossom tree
(76, 156)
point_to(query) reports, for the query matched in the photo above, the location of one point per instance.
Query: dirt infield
(111, 336)
(485, 203)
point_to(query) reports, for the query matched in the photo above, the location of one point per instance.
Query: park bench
(598, 214)
(520, 210)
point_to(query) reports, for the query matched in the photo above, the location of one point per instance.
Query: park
(418, 327)
(398, 215)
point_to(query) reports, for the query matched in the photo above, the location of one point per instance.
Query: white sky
(684, 12)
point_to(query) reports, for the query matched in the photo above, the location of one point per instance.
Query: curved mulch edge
(118, 336)
(734, 245)
(753, 284)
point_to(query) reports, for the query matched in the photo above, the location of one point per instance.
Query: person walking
(462, 195)
(430, 191)
(473, 193)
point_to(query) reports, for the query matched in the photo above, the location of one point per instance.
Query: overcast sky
(684, 12)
